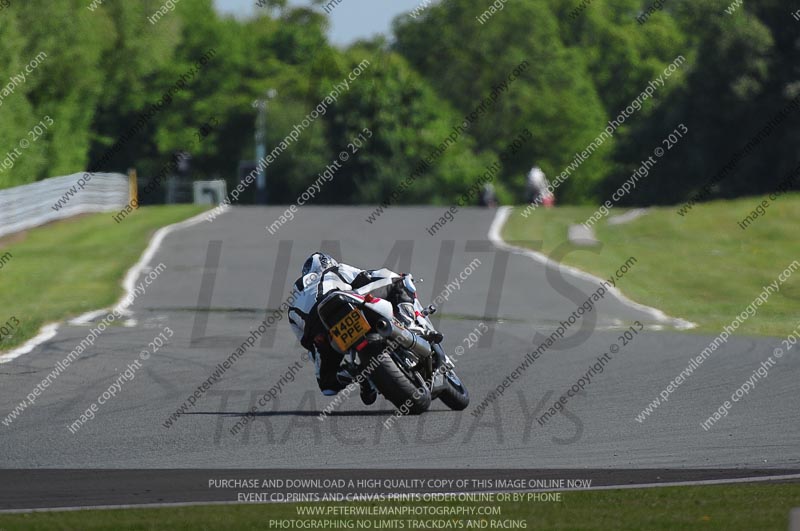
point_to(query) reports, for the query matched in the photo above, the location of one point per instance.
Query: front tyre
(454, 395)
(403, 388)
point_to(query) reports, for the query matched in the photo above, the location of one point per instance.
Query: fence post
(134, 190)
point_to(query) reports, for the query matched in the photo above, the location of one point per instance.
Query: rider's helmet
(318, 262)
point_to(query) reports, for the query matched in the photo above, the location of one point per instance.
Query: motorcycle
(405, 363)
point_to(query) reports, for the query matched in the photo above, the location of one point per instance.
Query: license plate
(349, 330)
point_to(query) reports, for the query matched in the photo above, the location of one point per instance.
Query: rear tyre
(405, 389)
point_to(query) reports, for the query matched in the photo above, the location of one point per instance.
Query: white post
(794, 520)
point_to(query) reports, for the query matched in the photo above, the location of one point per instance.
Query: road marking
(627, 217)
(494, 235)
(46, 333)
(49, 330)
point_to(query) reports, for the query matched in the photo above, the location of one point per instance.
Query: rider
(538, 188)
(321, 275)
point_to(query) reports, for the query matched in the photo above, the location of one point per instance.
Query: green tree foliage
(554, 97)
(725, 101)
(409, 123)
(16, 112)
(107, 64)
(66, 85)
(622, 56)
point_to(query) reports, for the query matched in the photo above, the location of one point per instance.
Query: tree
(407, 122)
(724, 103)
(553, 95)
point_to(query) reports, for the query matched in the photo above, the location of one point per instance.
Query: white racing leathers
(311, 288)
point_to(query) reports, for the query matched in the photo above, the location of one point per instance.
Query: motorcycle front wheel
(454, 395)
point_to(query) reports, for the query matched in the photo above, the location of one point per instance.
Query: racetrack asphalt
(255, 271)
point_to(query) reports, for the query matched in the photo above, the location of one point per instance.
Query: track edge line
(494, 236)
(49, 330)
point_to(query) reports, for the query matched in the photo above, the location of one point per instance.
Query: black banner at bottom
(62, 488)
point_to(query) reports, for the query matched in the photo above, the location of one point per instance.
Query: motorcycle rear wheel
(403, 388)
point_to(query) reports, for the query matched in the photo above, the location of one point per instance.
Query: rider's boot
(368, 393)
(344, 377)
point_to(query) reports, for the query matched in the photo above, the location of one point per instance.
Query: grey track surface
(598, 429)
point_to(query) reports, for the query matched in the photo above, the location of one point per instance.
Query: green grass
(721, 507)
(73, 266)
(702, 267)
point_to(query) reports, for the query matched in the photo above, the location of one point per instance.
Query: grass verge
(72, 266)
(702, 267)
(719, 507)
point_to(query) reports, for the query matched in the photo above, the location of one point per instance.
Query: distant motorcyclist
(323, 274)
(488, 198)
(538, 192)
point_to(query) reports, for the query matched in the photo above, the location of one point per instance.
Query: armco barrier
(34, 204)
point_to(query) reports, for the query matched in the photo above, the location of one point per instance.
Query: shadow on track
(383, 412)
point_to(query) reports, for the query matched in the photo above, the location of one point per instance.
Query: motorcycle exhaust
(405, 338)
